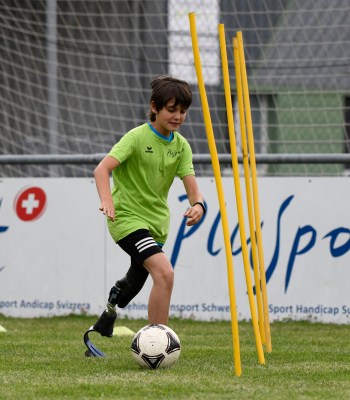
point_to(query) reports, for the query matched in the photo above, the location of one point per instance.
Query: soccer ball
(156, 346)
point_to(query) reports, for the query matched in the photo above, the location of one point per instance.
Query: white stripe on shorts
(145, 244)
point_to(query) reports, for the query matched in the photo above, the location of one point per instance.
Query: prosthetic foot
(104, 326)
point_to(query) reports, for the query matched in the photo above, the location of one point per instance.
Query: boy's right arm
(102, 173)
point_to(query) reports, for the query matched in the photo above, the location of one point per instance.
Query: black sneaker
(104, 325)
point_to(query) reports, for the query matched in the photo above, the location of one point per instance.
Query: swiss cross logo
(30, 203)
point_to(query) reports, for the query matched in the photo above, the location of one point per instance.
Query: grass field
(44, 359)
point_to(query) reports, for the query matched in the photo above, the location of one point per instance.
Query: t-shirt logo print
(149, 149)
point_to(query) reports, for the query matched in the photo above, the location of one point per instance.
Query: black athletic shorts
(140, 245)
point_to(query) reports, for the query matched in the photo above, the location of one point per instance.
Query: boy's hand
(107, 207)
(194, 215)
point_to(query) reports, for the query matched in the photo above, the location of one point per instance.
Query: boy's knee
(167, 276)
(171, 275)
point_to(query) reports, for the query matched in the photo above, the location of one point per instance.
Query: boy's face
(169, 118)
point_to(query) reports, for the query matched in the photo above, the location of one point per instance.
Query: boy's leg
(143, 250)
(120, 295)
(131, 284)
(163, 279)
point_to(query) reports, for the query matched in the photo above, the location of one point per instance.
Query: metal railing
(311, 158)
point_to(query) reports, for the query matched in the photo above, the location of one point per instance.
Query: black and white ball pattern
(156, 346)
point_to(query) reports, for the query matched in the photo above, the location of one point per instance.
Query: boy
(144, 164)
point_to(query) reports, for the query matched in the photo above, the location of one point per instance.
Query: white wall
(64, 261)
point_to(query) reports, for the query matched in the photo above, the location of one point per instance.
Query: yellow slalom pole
(239, 202)
(220, 192)
(255, 188)
(248, 191)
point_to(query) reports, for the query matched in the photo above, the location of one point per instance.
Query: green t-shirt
(148, 165)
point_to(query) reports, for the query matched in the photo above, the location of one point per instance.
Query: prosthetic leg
(120, 295)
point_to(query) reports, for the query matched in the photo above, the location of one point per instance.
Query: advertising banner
(57, 258)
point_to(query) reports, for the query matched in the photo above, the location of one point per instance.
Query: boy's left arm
(195, 197)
